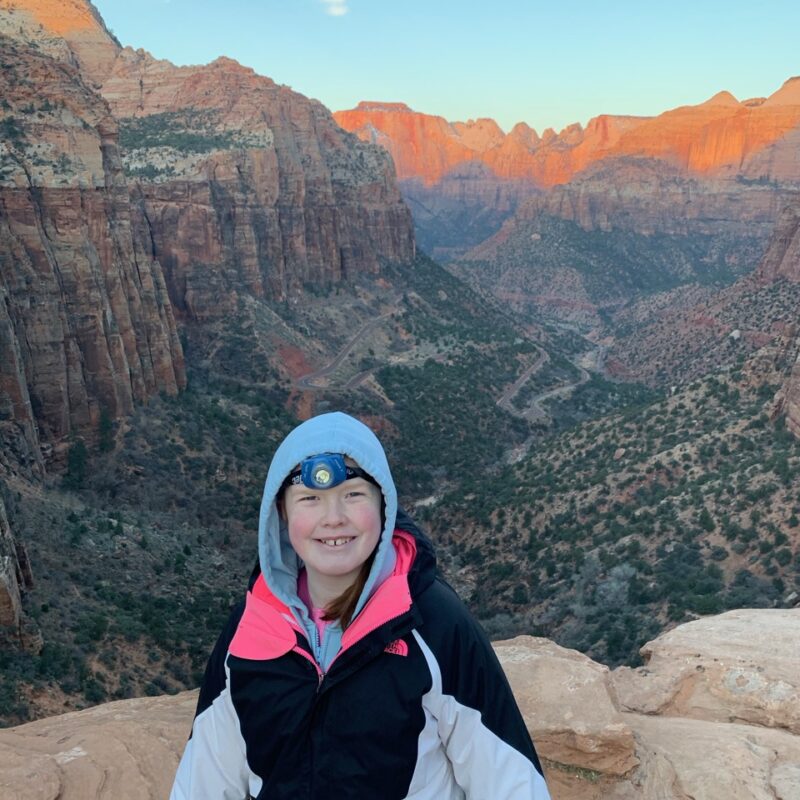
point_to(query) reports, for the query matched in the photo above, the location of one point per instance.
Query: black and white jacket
(415, 705)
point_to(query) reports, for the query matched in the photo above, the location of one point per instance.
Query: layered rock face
(782, 261)
(715, 713)
(248, 186)
(647, 196)
(85, 324)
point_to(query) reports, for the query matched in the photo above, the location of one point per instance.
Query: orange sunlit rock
(61, 18)
(64, 29)
(721, 135)
(422, 145)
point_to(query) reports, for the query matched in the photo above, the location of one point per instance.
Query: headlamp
(324, 471)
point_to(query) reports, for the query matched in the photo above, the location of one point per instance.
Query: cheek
(299, 527)
(371, 522)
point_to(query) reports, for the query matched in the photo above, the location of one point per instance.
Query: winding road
(309, 381)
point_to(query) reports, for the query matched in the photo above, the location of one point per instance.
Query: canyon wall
(134, 192)
(249, 187)
(86, 326)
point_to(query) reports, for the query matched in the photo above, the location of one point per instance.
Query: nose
(334, 515)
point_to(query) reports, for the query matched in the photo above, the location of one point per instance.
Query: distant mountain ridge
(721, 135)
(463, 180)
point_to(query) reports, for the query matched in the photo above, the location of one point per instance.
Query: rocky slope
(715, 713)
(679, 336)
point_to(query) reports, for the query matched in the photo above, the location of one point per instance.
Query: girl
(351, 670)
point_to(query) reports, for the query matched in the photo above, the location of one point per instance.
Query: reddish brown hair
(344, 606)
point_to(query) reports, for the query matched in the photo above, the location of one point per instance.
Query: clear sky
(545, 63)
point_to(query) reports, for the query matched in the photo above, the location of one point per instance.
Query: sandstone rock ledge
(713, 715)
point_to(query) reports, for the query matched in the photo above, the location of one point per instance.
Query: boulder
(563, 696)
(741, 666)
(688, 759)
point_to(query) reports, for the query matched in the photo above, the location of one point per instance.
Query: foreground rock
(714, 715)
(128, 749)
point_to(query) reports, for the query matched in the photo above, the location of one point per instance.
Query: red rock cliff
(234, 185)
(85, 321)
(264, 195)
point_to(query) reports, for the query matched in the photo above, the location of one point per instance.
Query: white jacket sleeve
(481, 729)
(214, 763)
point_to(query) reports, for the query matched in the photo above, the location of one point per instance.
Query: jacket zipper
(365, 634)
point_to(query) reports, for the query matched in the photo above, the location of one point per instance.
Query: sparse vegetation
(187, 131)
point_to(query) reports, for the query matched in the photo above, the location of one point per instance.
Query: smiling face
(334, 531)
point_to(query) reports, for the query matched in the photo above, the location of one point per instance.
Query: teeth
(337, 542)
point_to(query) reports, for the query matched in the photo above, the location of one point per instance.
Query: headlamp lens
(322, 476)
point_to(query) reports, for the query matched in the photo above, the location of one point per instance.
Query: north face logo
(398, 648)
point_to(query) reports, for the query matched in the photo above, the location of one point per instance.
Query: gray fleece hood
(327, 433)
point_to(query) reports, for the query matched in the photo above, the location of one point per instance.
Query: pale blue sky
(545, 63)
